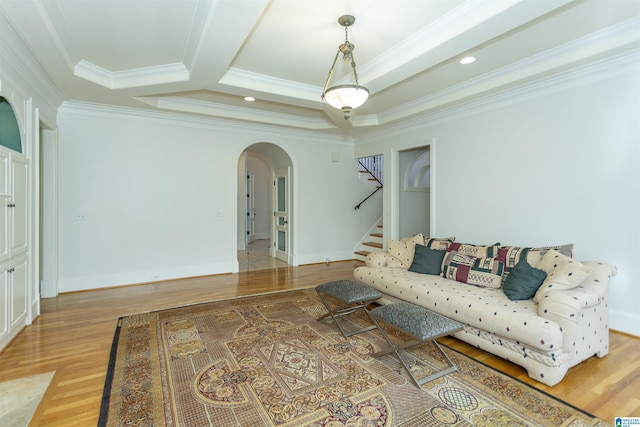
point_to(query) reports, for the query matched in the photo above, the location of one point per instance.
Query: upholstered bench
(350, 296)
(421, 324)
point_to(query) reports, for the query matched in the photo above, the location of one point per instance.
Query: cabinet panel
(5, 233)
(4, 173)
(4, 305)
(18, 290)
(19, 203)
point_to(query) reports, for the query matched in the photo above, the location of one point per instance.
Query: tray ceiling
(203, 57)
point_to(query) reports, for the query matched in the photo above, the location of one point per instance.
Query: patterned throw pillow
(401, 251)
(438, 244)
(483, 272)
(512, 255)
(562, 271)
(477, 251)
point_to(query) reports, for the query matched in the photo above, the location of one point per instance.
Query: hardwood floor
(74, 332)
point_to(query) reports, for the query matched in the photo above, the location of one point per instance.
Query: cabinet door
(5, 233)
(5, 305)
(4, 172)
(18, 292)
(19, 202)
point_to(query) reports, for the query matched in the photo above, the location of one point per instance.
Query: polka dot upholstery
(546, 338)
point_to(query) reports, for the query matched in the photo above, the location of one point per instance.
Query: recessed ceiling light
(249, 98)
(468, 60)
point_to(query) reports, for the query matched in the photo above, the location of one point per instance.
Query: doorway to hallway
(265, 216)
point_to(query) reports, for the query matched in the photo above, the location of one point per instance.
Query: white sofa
(567, 325)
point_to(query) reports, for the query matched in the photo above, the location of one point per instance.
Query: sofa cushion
(483, 272)
(511, 255)
(523, 281)
(562, 271)
(477, 251)
(427, 260)
(439, 244)
(401, 251)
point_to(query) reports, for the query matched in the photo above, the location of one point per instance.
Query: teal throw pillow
(523, 281)
(427, 260)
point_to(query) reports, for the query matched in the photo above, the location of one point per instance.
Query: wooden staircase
(372, 166)
(373, 245)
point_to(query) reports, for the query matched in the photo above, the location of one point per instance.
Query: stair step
(373, 244)
(362, 253)
(376, 235)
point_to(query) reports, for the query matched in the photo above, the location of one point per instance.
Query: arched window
(9, 130)
(418, 176)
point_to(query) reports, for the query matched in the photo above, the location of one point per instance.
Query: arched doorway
(265, 217)
(414, 198)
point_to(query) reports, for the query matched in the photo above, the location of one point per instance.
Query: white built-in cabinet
(14, 295)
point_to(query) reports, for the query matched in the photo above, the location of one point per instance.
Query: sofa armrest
(565, 306)
(589, 293)
(377, 259)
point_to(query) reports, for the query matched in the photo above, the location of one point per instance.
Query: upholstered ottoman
(350, 296)
(421, 324)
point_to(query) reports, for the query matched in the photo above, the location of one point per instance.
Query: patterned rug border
(104, 406)
(260, 294)
(524, 383)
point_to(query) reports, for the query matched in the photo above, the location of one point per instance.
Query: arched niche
(9, 129)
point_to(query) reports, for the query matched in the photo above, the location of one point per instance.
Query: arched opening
(414, 191)
(265, 217)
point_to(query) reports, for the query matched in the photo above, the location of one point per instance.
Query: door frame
(282, 219)
(250, 230)
(276, 159)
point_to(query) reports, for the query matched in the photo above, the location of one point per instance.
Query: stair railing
(373, 166)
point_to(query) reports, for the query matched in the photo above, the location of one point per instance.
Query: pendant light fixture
(348, 96)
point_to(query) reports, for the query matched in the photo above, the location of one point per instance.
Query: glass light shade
(346, 96)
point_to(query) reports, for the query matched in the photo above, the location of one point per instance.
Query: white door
(251, 208)
(281, 224)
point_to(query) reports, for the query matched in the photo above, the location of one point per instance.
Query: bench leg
(393, 348)
(344, 310)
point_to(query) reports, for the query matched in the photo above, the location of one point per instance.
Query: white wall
(139, 195)
(552, 163)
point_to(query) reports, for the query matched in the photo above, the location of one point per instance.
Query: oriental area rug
(265, 361)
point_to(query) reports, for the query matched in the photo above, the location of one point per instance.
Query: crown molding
(201, 21)
(54, 22)
(189, 120)
(586, 48)
(267, 84)
(426, 48)
(579, 76)
(27, 70)
(147, 76)
(187, 105)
